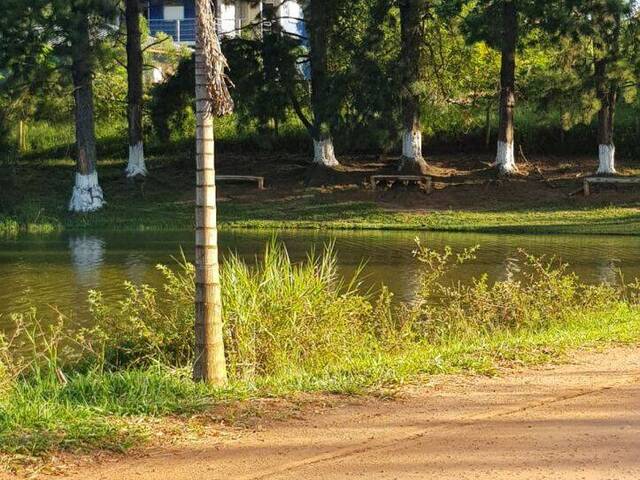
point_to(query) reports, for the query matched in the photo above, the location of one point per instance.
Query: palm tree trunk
(411, 12)
(210, 365)
(87, 195)
(136, 165)
(505, 158)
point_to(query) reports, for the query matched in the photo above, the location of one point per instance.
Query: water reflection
(87, 258)
(136, 265)
(61, 269)
(609, 271)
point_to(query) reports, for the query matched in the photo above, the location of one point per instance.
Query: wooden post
(585, 187)
(210, 365)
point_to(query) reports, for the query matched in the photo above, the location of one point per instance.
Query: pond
(58, 270)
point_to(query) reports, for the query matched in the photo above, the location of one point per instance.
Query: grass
(35, 198)
(328, 215)
(288, 328)
(606, 220)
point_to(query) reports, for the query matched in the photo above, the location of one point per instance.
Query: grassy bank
(330, 215)
(606, 220)
(34, 199)
(288, 328)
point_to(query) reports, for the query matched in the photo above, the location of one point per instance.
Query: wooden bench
(589, 180)
(242, 178)
(422, 180)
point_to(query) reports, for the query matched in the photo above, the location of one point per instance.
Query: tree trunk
(505, 158)
(319, 22)
(87, 195)
(136, 165)
(210, 365)
(607, 95)
(411, 12)
(607, 92)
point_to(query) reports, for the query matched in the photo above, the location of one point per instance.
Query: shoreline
(619, 220)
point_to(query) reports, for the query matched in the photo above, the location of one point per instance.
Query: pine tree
(604, 35)
(67, 34)
(412, 14)
(136, 164)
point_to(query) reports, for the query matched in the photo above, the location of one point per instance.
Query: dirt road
(575, 421)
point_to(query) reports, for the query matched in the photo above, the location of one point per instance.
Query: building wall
(234, 16)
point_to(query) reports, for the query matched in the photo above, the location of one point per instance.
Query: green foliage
(172, 103)
(284, 319)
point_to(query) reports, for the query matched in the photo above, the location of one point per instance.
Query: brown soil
(461, 182)
(574, 421)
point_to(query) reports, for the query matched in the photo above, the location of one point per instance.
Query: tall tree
(319, 16)
(502, 36)
(70, 34)
(608, 18)
(136, 165)
(411, 32)
(604, 35)
(87, 194)
(212, 97)
(505, 158)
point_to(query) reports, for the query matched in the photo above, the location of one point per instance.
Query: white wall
(227, 19)
(290, 12)
(173, 12)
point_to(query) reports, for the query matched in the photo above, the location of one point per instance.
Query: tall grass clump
(289, 326)
(281, 318)
(285, 318)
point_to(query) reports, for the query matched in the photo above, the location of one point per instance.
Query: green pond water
(59, 270)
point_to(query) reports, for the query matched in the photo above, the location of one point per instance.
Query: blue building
(176, 18)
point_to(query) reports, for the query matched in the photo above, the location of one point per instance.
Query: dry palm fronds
(214, 62)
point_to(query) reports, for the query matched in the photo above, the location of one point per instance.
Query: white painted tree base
(412, 144)
(505, 158)
(324, 154)
(87, 195)
(412, 161)
(136, 165)
(606, 155)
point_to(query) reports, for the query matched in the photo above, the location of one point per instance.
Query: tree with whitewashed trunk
(63, 36)
(498, 22)
(607, 47)
(212, 98)
(411, 34)
(505, 157)
(87, 194)
(319, 17)
(607, 95)
(604, 63)
(136, 164)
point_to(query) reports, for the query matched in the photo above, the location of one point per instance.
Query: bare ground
(459, 181)
(579, 420)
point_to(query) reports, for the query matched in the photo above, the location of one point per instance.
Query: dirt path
(575, 421)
